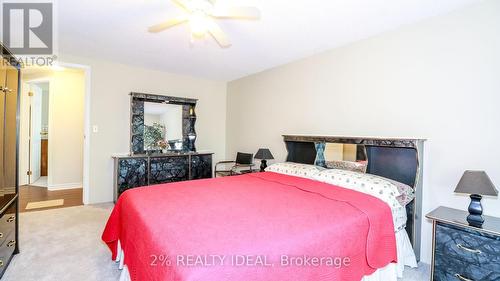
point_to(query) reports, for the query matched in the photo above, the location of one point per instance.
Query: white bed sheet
(399, 218)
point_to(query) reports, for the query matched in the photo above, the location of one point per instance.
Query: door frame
(86, 124)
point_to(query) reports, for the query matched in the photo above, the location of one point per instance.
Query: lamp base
(263, 165)
(475, 217)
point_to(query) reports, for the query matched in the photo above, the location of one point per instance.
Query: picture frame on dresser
(461, 251)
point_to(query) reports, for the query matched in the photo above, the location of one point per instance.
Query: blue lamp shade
(264, 154)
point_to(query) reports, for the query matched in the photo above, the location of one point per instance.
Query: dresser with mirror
(162, 144)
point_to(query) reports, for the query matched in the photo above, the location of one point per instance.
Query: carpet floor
(64, 244)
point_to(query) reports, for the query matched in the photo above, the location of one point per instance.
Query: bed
(262, 226)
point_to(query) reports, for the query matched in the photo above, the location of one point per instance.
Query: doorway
(51, 138)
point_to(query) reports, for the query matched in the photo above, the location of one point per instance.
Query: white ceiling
(116, 30)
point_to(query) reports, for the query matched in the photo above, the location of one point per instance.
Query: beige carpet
(65, 244)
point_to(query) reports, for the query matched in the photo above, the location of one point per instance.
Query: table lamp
(263, 154)
(477, 184)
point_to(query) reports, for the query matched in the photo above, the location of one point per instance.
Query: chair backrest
(244, 158)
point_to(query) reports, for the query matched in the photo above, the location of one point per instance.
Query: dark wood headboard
(399, 159)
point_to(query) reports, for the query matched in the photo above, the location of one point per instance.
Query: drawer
(201, 167)
(168, 169)
(131, 173)
(469, 246)
(8, 223)
(450, 269)
(6, 251)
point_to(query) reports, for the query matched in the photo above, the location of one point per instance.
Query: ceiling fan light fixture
(201, 16)
(198, 23)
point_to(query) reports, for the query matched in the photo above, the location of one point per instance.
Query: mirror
(162, 126)
(345, 156)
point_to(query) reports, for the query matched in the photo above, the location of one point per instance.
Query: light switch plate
(95, 129)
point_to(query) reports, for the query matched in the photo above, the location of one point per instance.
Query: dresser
(462, 252)
(9, 106)
(143, 170)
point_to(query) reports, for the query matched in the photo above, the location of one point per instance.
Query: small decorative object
(320, 154)
(163, 145)
(178, 145)
(476, 183)
(263, 154)
(191, 136)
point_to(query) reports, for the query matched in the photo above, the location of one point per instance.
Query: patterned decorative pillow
(295, 169)
(347, 165)
(407, 193)
(366, 183)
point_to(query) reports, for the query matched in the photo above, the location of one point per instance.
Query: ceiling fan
(201, 15)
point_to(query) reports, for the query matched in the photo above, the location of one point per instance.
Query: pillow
(366, 183)
(295, 169)
(407, 193)
(347, 165)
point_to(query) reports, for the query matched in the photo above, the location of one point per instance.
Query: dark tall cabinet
(9, 128)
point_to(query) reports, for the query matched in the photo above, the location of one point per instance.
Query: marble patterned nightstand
(462, 252)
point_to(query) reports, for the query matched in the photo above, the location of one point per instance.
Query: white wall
(438, 79)
(45, 104)
(66, 113)
(149, 119)
(173, 121)
(111, 84)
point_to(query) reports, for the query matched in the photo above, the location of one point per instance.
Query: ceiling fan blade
(164, 25)
(236, 12)
(182, 4)
(218, 34)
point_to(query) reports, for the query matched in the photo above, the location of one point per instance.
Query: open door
(35, 132)
(29, 135)
(24, 134)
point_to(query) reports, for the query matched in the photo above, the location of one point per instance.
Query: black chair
(243, 160)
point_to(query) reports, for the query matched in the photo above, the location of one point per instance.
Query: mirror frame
(137, 101)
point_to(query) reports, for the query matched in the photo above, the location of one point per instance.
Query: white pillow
(295, 169)
(366, 183)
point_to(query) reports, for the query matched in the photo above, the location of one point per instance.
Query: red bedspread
(263, 226)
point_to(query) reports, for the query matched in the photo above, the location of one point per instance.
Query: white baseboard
(62, 186)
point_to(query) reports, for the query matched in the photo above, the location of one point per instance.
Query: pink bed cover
(262, 226)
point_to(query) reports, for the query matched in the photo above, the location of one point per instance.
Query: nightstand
(461, 252)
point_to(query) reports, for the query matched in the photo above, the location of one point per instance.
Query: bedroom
(362, 69)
